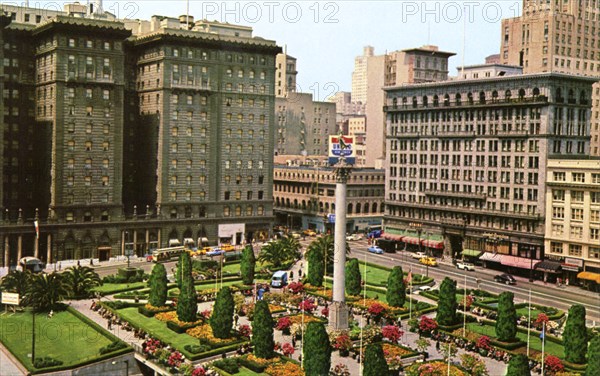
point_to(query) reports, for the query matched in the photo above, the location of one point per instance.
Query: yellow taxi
(227, 247)
(430, 261)
(309, 232)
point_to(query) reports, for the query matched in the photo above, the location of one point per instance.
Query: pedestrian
(566, 281)
(294, 341)
(292, 275)
(236, 317)
(78, 263)
(300, 272)
(109, 324)
(437, 345)
(59, 266)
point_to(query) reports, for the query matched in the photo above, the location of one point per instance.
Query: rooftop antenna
(428, 32)
(464, 43)
(187, 15)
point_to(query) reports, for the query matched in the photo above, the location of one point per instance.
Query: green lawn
(375, 276)
(535, 341)
(156, 328)
(370, 294)
(64, 337)
(231, 268)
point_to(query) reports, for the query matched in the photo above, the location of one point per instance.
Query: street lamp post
(127, 252)
(418, 227)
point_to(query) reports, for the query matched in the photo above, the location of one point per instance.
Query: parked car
(216, 251)
(428, 261)
(309, 232)
(465, 265)
(375, 249)
(505, 278)
(227, 247)
(295, 235)
(419, 255)
(354, 237)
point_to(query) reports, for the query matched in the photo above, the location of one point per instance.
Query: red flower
(376, 309)
(307, 305)
(541, 319)
(553, 364)
(296, 287)
(392, 332)
(175, 359)
(287, 349)
(283, 323)
(245, 330)
(484, 342)
(342, 342)
(427, 325)
(325, 312)
(199, 371)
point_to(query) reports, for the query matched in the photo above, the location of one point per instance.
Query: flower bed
(285, 369)
(173, 322)
(149, 310)
(255, 363)
(205, 335)
(435, 367)
(297, 319)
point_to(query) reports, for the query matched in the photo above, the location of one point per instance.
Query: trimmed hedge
(252, 366)
(196, 349)
(112, 347)
(180, 329)
(507, 345)
(150, 313)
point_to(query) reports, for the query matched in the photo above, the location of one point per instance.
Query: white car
(419, 255)
(354, 237)
(465, 265)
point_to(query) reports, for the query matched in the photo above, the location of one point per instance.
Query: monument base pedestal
(338, 316)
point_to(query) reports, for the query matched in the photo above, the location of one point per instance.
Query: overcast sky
(325, 36)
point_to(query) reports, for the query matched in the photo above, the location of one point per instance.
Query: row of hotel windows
(88, 145)
(249, 89)
(87, 216)
(576, 177)
(240, 73)
(455, 174)
(89, 43)
(480, 160)
(575, 250)
(88, 163)
(457, 145)
(507, 114)
(205, 55)
(575, 231)
(577, 214)
(576, 196)
(87, 180)
(89, 127)
(446, 99)
(286, 175)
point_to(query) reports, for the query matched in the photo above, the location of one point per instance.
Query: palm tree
(17, 281)
(291, 246)
(47, 290)
(81, 280)
(272, 253)
(325, 245)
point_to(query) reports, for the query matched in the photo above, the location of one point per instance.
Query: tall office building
(303, 125)
(285, 75)
(415, 65)
(132, 132)
(557, 36)
(359, 75)
(467, 161)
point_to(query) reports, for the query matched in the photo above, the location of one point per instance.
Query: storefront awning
(589, 276)
(548, 266)
(389, 236)
(411, 240)
(517, 262)
(471, 252)
(493, 257)
(437, 244)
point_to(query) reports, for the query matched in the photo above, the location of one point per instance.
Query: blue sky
(325, 36)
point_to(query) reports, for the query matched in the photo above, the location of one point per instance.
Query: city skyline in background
(317, 32)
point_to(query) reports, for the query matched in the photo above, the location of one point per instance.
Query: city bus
(165, 254)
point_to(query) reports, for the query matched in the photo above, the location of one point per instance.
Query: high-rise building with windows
(285, 75)
(557, 36)
(467, 160)
(132, 132)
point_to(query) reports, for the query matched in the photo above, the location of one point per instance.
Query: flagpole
(363, 323)
(302, 331)
(465, 306)
(411, 292)
(529, 323)
(543, 343)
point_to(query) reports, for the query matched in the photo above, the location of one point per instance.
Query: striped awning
(411, 240)
(589, 276)
(517, 262)
(437, 244)
(494, 257)
(389, 236)
(471, 252)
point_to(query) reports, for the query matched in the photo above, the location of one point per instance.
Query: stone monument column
(338, 310)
